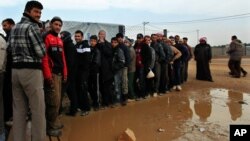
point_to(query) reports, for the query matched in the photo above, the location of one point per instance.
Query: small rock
(127, 135)
(161, 130)
(202, 129)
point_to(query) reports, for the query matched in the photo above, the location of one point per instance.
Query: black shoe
(96, 108)
(71, 114)
(124, 103)
(244, 74)
(54, 132)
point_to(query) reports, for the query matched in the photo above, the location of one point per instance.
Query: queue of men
(44, 64)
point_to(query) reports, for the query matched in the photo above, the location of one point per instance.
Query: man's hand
(65, 79)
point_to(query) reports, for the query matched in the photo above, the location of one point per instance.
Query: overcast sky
(159, 14)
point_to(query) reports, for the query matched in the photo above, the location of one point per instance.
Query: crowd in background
(42, 64)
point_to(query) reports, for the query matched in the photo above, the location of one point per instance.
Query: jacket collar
(28, 18)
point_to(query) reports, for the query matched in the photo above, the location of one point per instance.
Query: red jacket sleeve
(46, 67)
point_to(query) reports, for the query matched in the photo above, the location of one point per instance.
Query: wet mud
(202, 111)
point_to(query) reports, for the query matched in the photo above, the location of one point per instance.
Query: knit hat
(203, 39)
(94, 37)
(119, 35)
(56, 18)
(139, 36)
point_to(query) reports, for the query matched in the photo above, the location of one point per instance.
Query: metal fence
(221, 51)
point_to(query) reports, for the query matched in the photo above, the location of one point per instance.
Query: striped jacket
(26, 44)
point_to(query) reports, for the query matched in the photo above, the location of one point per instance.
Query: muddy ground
(202, 111)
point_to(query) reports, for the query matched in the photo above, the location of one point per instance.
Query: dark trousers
(82, 89)
(70, 88)
(131, 84)
(94, 88)
(157, 71)
(164, 78)
(140, 85)
(234, 66)
(7, 96)
(177, 73)
(108, 92)
(1, 104)
(186, 71)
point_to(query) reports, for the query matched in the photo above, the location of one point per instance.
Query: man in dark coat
(106, 74)
(203, 56)
(70, 86)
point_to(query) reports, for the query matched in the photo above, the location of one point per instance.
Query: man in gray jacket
(235, 52)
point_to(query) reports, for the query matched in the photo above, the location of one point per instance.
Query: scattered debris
(127, 135)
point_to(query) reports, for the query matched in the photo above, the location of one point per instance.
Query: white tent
(93, 28)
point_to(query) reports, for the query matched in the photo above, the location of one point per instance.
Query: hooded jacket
(235, 50)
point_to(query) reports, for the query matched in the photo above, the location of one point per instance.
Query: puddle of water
(203, 115)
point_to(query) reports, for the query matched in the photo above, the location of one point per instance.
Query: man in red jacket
(54, 70)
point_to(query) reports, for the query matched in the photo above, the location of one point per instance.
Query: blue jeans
(2, 136)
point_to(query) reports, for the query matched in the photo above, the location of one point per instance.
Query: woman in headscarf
(203, 56)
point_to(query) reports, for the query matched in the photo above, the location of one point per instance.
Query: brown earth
(201, 111)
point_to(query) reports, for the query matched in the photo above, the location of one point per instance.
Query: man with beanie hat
(54, 70)
(27, 49)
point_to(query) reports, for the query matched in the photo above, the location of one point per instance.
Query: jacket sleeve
(37, 42)
(65, 71)
(46, 62)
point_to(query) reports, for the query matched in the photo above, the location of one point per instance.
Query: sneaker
(155, 95)
(174, 88)
(54, 132)
(131, 100)
(9, 123)
(161, 94)
(178, 88)
(138, 99)
(84, 113)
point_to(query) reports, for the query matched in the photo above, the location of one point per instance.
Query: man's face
(114, 43)
(154, 38)
(102, 35)
(120, 40)
(78, 37)
(147, 40)
(139, 40)
(35, 13)
(6, 26)
(93, 42)
(56, 26)
(184, 41)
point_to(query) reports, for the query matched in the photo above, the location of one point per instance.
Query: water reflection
(228, 105)
(235, 108)
(203, 107)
